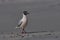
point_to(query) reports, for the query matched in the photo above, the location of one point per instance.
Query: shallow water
(44, 15)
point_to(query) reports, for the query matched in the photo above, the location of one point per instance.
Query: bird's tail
(17, 27)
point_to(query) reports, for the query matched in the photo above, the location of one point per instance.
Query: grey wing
(19, 24)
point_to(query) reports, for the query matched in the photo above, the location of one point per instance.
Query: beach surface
(30, 36)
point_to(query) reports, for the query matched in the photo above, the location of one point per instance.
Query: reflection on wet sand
(30, 34)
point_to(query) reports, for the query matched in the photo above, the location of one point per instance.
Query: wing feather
(19, 24)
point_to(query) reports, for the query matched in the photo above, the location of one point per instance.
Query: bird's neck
(24, 16)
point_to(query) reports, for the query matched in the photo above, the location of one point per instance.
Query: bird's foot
(23, 32)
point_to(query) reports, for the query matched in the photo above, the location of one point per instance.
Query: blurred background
(44, 15)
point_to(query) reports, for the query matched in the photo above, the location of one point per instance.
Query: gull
(23, 22)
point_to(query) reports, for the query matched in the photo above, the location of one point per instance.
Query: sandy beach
(29, 36)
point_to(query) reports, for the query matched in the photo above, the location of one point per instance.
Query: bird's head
(25, 12)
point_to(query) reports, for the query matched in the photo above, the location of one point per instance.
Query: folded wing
(19, 24)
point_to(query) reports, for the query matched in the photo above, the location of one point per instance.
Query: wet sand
(29, 36)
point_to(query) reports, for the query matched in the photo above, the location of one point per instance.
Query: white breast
(25, 21)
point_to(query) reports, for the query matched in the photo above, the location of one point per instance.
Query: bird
(23, 22)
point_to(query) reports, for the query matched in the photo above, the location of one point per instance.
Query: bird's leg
(23, 31)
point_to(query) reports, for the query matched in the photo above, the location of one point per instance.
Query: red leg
(23, 31)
